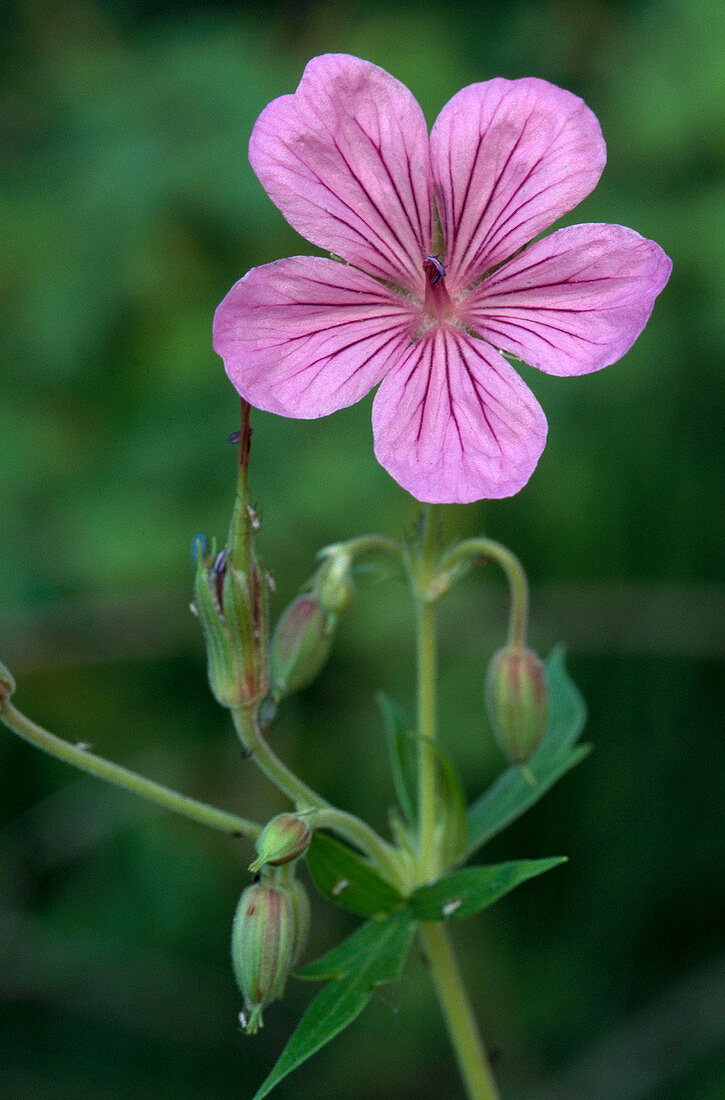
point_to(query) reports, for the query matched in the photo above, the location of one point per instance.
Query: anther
(434, 269)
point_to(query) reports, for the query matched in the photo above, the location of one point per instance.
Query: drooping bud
(232, 607)
(517, 698)
(263, 947)
(333, 583)
(300, 645)
(283, 839)
(7, 684)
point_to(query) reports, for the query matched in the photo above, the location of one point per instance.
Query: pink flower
(427, 311)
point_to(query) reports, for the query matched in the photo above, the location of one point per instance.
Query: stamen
(434, 269)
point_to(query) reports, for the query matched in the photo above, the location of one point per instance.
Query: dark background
(129, 209)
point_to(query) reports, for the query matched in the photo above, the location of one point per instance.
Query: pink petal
(509, 157)
(573, 302)
(346, 161)
(305, 336)
(453, 422)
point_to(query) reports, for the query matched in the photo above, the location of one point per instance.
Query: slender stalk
(487, 549)
(247, 727)
(384, 855)
(371, 544)
(452, 996)
(427, 680)
(326, 816)
(87, 761)
(458, 1013)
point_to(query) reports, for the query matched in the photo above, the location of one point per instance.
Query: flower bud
(300, 903)
(284, 838)
(7, 684)
(263, 947)
(300, 645)
(333, 584)
(517, 698)
(232, 607)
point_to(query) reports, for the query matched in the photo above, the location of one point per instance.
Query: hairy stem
(87, 761)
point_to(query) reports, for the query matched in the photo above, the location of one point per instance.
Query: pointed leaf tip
(376, 953)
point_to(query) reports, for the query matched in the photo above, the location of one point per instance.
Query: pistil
(438, 302)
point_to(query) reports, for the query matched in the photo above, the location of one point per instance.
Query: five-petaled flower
(439, 278)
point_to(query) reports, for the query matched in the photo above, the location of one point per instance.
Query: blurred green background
(128, 210)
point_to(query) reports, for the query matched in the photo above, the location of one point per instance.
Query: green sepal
(373, 955)
(513, 792)
(347, 879)
(236, 606)
(468, 891)
(219, 658)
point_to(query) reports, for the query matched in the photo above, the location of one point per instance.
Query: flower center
(438, 302)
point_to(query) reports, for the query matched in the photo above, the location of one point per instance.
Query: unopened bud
(285, 838)
(333, 583)
(7, 684)
(517, 698)
(263, 947)
(300, 645)
(300, 902)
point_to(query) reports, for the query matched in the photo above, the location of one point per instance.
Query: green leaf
(403, 755)
(403, 752)
(512, 793)
(376, 953)
(346, 878)
(351, 955)
(465, 892)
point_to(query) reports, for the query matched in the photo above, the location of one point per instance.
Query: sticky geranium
(438, 277)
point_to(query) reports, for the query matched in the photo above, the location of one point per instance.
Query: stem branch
(87, 761)
(346, 825)
(247, 727)
(359, 833)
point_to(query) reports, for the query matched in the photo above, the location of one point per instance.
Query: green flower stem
(383, 855)
(451, 992)
(87, 761)
(253, 741)
(373, 544)
(325, 816)
(481, 549)
(427, 681)
(457, 1012)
